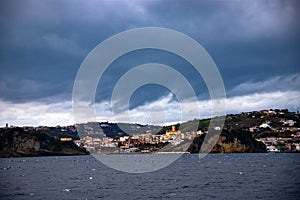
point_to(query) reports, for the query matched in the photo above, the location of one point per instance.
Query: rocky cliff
(231, 141)
(15, 142)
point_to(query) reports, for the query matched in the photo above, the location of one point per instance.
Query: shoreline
(161, 153)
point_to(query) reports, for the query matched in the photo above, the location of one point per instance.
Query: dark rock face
(16, 142)
(233, 141)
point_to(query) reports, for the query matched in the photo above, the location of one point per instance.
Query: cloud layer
(43, 43)
(254, 43)
(164, 110)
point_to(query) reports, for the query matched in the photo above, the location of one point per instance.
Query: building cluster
(142, 143)
(274, 144)
(279, 129)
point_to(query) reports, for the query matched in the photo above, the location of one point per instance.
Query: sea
(216, 176)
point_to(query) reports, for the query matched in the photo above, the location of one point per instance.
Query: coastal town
(143, 143)
(278, 130)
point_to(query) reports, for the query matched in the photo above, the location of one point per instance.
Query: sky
(255, 45)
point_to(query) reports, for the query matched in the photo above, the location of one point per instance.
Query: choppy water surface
(217, 176)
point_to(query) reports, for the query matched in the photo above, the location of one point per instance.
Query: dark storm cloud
(248, 39)
(44, 42)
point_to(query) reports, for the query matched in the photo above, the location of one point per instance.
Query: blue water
(217, 176)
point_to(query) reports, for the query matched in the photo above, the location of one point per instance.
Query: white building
(264, 125)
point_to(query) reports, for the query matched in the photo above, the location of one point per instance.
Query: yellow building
(173, 131)
(65, 139)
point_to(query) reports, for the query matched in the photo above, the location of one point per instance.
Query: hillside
(16, 142)
(257, 131)
(233, 141)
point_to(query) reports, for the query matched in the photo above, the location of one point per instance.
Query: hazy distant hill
(97, 129)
